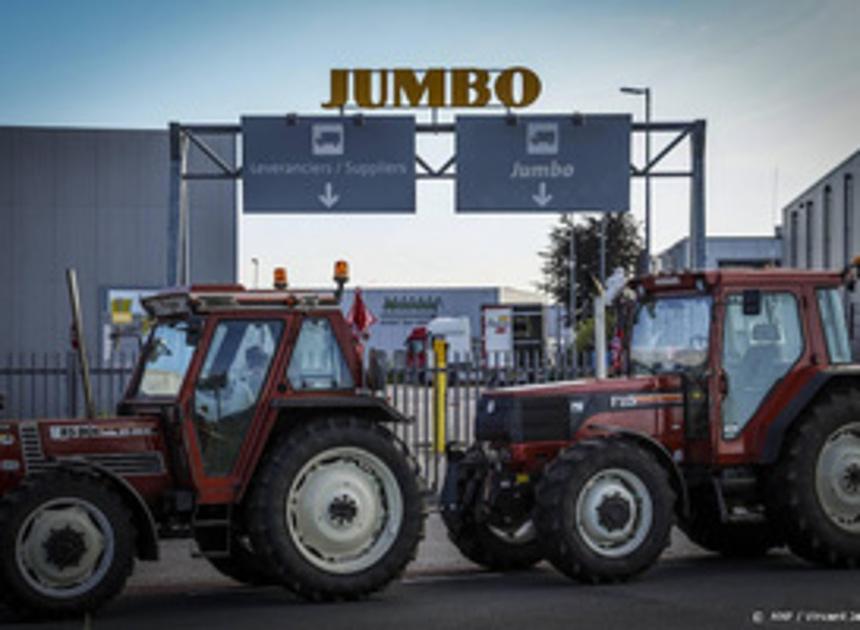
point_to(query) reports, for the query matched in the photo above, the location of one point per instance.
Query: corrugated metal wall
(96, 200)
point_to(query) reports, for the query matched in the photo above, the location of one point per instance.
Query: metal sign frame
(182, 136)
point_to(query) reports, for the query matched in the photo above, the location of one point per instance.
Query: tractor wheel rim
(64, 547)
(837, 477)
(344, 510)
(614, 512)
(520, 534)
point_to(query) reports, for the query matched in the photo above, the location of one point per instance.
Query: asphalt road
(688, 589)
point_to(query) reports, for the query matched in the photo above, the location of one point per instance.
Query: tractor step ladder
(212, 527)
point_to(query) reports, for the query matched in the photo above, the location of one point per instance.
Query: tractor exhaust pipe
(78, 328)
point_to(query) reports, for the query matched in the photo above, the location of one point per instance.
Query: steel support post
(574, 359)
(647, 261)
(697, 196)
(173, 221)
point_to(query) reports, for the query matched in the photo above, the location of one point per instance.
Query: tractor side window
(833, 320)
(317, 361)
(758, 350)
(228, 387)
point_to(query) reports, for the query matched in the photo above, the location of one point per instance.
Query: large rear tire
(816, 484)
(66, 545)
(336, 510)
(605, 509)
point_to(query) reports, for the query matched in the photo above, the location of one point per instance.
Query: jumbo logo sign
(435, 87)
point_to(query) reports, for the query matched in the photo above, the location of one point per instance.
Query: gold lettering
(504, 87)
(407, 84)
(466, 82)
(363, 88)
(338, 89)
(517, 86)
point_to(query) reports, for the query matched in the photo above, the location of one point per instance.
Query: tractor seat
(760, 359)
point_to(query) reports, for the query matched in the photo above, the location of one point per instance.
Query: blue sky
(777, 80)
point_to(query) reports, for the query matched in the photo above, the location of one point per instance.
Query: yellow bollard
(440, 391)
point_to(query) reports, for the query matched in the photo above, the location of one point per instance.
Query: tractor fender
(835, 376)
(147, 532)
(364, 406)
(663, 456)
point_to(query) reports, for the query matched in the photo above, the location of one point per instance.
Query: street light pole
(645, 265)
(256, 262)
(648, 178)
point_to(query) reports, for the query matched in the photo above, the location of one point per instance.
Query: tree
(623, 249)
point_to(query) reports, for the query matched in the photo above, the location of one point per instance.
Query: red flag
(359, 315)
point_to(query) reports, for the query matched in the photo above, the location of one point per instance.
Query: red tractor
(247, 425)
(738, 419)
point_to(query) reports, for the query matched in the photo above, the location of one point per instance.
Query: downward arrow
(542, 198)
(328, 198)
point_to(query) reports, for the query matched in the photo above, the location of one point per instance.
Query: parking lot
(689, 588)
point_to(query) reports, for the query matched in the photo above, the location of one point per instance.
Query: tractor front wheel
(66, 545)
(604, 510)
(509, 549)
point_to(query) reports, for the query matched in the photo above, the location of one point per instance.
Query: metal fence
(48, 385)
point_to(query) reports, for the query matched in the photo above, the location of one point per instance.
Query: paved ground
(688, 589)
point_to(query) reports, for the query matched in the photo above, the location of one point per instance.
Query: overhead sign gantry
(359, 163)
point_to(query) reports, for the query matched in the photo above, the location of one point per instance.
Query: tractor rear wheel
(604, 510)
(816, 484)
(66, 545)
(336, 510)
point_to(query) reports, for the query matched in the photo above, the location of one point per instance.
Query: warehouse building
(820, 223)
(821, 228)
(398, 311)
(725, 251)
(96, 200)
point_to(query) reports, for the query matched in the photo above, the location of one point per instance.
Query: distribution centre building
(96, 200)
(820, 228)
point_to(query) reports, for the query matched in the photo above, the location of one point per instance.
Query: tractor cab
(739, 340)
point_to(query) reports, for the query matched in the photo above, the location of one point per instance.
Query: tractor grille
(126, 464)
(123, 464)
(31, 448)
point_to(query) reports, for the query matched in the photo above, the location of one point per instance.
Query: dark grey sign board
(328, 164)
(543, 163)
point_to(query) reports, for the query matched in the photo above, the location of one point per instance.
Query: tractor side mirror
(376, 372)
(193, 331)
(752, 302)
(213, 382)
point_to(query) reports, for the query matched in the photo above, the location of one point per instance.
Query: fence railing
(48, 385)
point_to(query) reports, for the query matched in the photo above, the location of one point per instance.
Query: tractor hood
(127, 445)
(556, 411)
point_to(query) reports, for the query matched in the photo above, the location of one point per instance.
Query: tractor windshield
(670, 334)
(166, 359)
